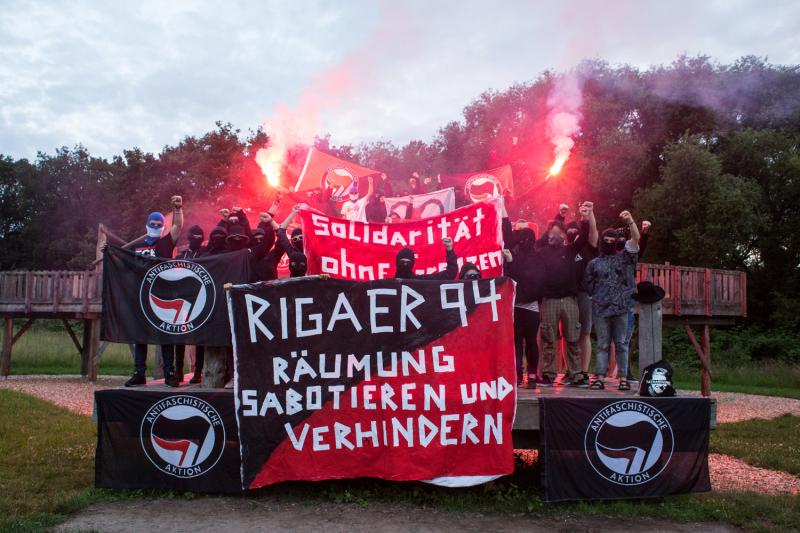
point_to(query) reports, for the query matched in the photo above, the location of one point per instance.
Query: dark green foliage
(707, 152)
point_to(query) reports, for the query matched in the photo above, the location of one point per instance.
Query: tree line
(707, 151)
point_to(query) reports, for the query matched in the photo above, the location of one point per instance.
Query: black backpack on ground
(657, 380)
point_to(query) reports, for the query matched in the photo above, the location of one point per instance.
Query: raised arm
(177, 218)
(451, 271)
(594, 235)
(371, 188)
(288, 220)
(628, 219)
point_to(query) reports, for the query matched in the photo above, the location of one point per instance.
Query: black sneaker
(195, 379)
(179, 376)
(545, 381)
(136, 380)
(171, 381)
(582, 383)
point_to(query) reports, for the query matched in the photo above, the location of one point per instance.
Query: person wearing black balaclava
(404, 264)
(195, 249)
(157, 244)
(559, 303)
(298, 264)
(525, 267)
(610, 281)
(469, 271)
(586, 254)
(217, 241)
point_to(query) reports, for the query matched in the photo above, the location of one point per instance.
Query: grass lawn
(47, 464)
(768, 379)
(771, 444)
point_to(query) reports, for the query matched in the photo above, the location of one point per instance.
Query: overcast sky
(114, 75)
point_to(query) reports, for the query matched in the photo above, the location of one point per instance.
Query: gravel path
(727, 473)
(273, 514)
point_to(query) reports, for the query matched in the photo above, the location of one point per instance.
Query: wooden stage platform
(526, 422)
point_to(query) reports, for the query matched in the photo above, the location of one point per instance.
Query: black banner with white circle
(168, 301)
(179, 440)
(606, 449)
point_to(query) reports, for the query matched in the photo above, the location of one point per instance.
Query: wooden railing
(698, 292)
(50, 292)
(690, 291)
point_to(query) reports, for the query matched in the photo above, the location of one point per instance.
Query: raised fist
(645, 225)
(224, 213)
(588, 205)
(507, 255)
(448, 243)
(177, 202)
(563, 209)
(236, 209)
(369, 179)
(265, 217)
(626, 217)
(384, 177)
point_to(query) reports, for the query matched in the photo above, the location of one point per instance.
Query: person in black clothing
(469, 271)
(586, 254)
(526, 268)
(298, 264)
(404, 264)
(195, 236)
(156, 245)
(559, 298)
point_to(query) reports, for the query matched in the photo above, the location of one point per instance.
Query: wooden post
(705, 371)
(650, 317)
(705, 357)
(8, 342)
(158, 363)
(214, 368)
(92, 348)
(84, 349)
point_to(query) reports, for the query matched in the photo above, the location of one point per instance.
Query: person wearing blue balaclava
(154, 227)
(156, 243)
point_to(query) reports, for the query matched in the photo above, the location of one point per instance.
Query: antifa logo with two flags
(148, 300)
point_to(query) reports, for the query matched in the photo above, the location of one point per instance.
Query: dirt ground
(238, 514)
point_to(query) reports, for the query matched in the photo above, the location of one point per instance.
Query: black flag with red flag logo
(397, 379)
(149, 300)
(607, 449)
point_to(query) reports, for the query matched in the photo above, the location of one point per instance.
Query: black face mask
(195, 241)
(608, 248)
(556, 241)
(258, 240)
(404, 266)
(218, 241)
(298, 265)
(472, 275)
(572, 236)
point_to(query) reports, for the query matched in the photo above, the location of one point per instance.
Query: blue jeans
(140, 359)
(608, 328)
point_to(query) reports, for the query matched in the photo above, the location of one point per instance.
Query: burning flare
(564, 119)
(271, 160)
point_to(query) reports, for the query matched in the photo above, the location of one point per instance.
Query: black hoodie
(526, 268)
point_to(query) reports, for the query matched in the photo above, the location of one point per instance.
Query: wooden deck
(693, 296)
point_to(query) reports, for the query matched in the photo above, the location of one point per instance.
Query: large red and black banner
(150, 300)
(366, 251)
(607, 449)
(185, 441)
(395, 379)
(481, 185)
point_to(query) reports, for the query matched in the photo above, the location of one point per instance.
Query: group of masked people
(266, 245)
(570, 279)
